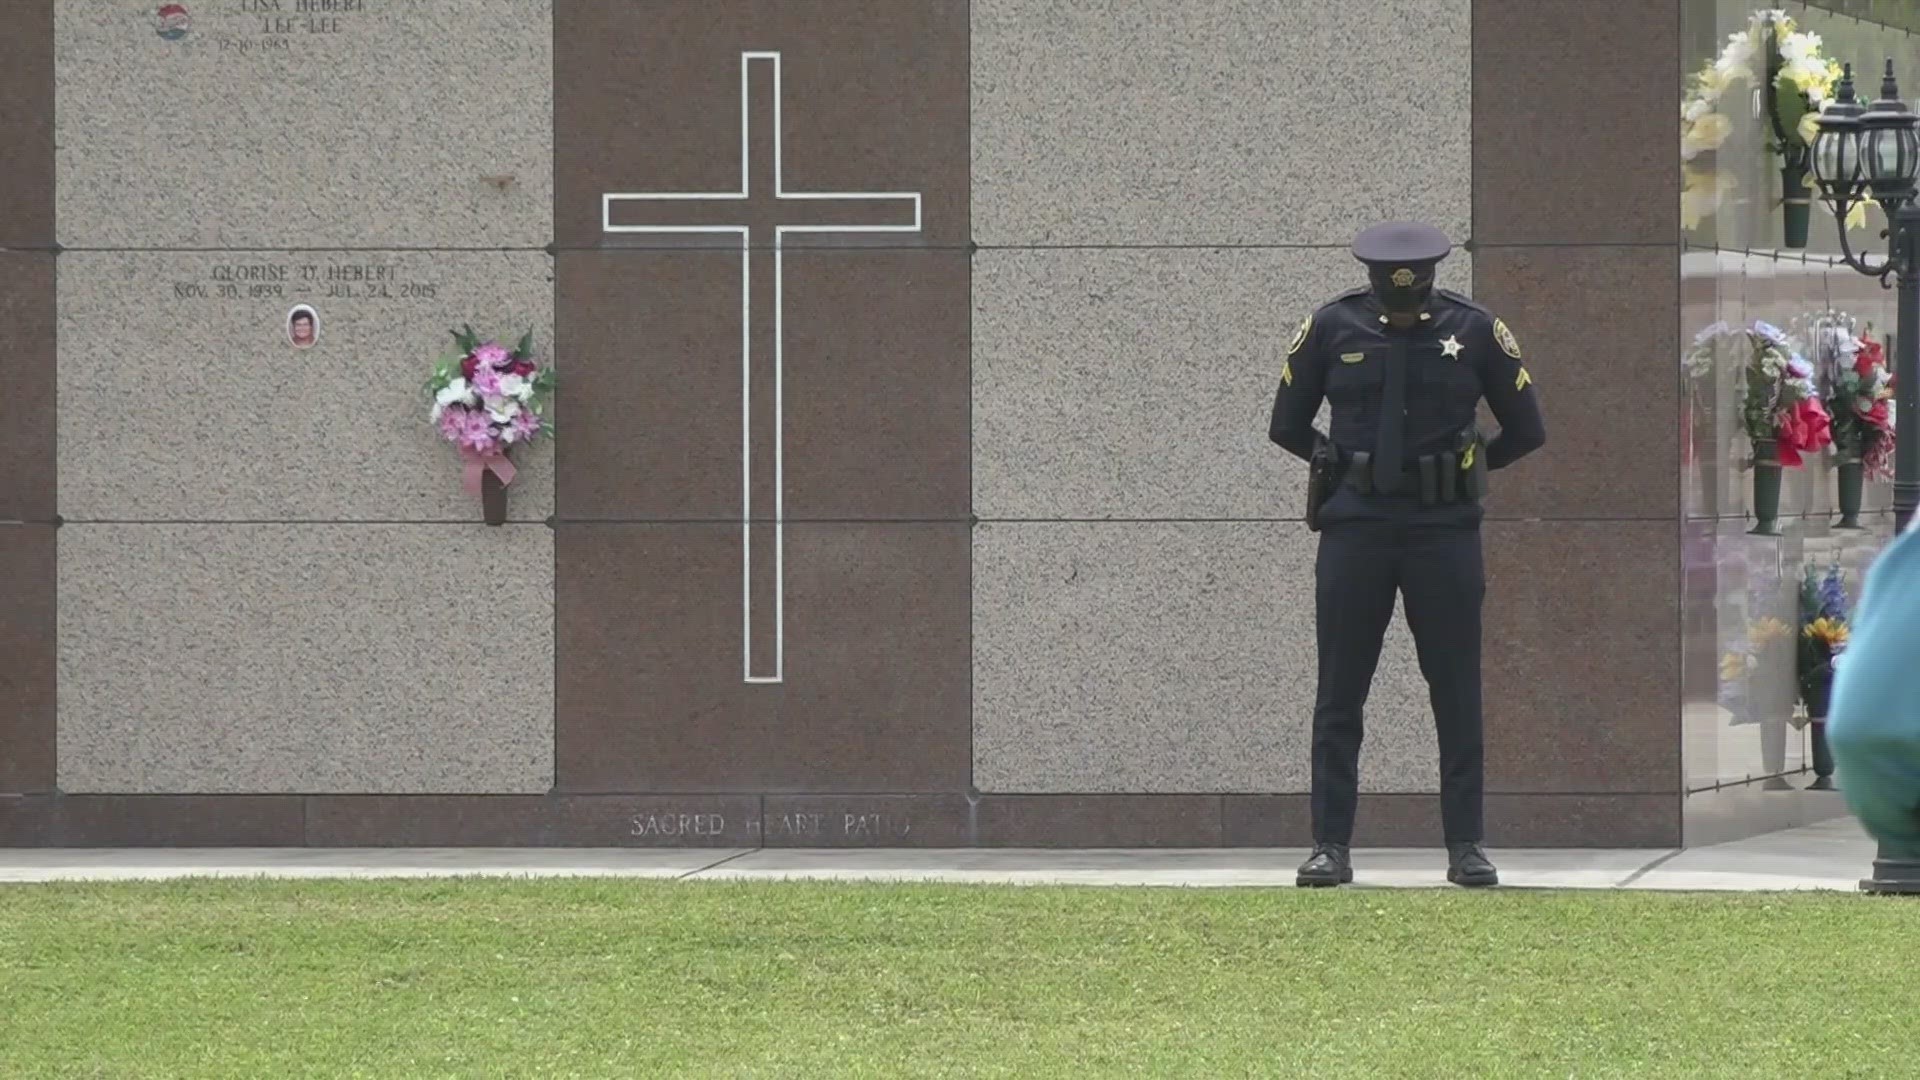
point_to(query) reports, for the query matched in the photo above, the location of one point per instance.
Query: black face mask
(1401, 291)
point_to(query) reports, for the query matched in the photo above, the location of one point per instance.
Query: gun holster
(1472, 466)
(1323, 475)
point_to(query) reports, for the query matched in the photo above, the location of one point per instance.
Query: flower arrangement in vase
(1797, 81)
(1779, 406)
(1823, 637)
(1858, 392)
(487, 400)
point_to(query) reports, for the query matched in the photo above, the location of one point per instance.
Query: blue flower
(1770, 332)
(1833, 595)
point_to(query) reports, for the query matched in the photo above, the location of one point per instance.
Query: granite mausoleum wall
(1018, 565)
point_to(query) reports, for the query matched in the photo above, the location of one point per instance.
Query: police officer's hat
(1397, 244)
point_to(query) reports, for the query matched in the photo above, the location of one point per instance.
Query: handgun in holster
(1323, 474)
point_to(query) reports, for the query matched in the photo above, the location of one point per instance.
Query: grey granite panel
(239, 425)
(1140, 383)
(1217, 121)
(1166, 657)
(305, 659)
(423, 123)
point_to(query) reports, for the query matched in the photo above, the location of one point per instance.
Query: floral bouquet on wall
(1780, 409)
(488, 399)
(1772, 54)
(1859, 397)
(1779, 404)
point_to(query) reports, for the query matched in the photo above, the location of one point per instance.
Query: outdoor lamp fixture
(1877, 150)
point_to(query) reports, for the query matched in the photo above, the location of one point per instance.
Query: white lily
(502, 410)
(517, 387)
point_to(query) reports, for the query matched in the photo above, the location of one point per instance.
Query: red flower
(1877, 416)
(1804, 429)
(1870, 356)
(469, 366)
(521, 368)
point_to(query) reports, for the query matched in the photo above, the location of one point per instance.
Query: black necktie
(1387, 465)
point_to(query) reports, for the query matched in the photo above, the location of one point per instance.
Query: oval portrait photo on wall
(173, 22)
(303, 326)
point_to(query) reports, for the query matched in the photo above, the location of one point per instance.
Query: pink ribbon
(478, 464)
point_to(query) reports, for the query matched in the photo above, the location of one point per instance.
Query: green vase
(1766, 488)
(1852, 477)
(1797, 205)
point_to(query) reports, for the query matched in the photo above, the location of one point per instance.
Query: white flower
(456, 392)
(1696, 109)
(516, 387)
(1801, 47)
(502, 410)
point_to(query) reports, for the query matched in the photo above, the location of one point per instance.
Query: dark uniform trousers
(1432, 560)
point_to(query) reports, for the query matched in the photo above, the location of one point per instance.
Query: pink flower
(475, 433)
(452, 422)
(523, 427)
(486, 382)
(491, 355)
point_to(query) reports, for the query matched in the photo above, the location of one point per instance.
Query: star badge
(1451, 347)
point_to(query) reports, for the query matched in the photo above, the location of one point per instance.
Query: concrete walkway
(1833, 855)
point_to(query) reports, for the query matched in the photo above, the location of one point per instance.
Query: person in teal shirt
(1873, 723)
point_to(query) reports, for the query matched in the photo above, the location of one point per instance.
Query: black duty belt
(1439, 479)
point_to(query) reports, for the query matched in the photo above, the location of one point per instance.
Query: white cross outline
(746, 343)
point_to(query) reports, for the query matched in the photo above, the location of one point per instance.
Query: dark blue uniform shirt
(1458, 354)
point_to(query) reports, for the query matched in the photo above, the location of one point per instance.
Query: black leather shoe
(1330, 864)
(1468, 865)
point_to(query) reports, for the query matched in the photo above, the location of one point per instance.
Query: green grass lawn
(623, 979)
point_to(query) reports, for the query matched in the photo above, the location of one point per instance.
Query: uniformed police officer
(1395, 492)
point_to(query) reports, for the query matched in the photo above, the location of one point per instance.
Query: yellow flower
(1857, 213)
(1829, 632)
(1732, 665)
(1707, 133)
(1700, 195)
(1809, 127)
(1765, 631)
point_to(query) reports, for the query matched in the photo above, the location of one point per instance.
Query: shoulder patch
(1300, 335)
(1508, 343)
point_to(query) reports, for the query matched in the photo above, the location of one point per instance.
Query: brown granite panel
(1645, 820)
(874, 387)
(1513, 820)
(651, 688)
(26, 126)
(1582, 657)
(1598, 328)
(177, 821)
(25, 821)
(885, 821)
(533, 821)
(26, 438)
(1574, 122)
(875, 99)
(1381, 820)
(1142, 821)
(27, 659)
